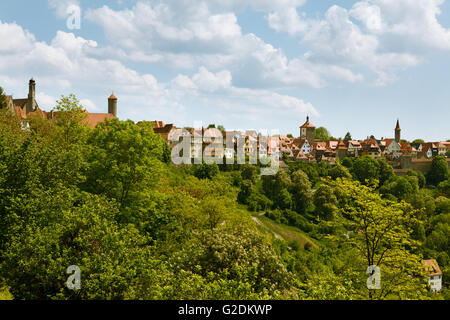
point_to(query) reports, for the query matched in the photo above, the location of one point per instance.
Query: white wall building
(434, 274)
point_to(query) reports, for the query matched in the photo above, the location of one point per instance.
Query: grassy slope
(288, 233)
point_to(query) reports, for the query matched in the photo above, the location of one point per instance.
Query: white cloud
(69, 62)
(45, 101)
(287, 20)
(61, 6)
(207, 35)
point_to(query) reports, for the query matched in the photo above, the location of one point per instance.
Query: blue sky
(250, 64)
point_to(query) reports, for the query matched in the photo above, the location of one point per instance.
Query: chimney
(31, 104)
(112, 105)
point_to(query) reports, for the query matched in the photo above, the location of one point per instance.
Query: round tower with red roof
(112, 105)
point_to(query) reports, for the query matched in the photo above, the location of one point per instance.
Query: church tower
(31, 103)
(397, 132)
(308, 131)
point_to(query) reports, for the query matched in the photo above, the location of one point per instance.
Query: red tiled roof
(432, 267)
(307, 124)
(388, 142)
(341, 145)
(92, 119)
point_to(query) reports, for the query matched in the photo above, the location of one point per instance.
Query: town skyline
(242, 65)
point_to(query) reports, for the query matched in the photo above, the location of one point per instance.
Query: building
(341, 152)
(434, 274)
(397, 132)
(27, 107)
(308, 131)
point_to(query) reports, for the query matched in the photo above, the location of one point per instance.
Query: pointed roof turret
(307, 124)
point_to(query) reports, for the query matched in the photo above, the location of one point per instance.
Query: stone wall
(422, 165)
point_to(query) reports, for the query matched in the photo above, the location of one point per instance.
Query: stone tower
(397, 132)
(341, 151)
(112, 105)
(308, 131)
(31, 103)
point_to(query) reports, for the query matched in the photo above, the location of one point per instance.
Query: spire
(397, 132)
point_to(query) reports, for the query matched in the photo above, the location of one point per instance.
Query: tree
(239, 265)
(438, 172)
(247, 189)
(124, 161)
(381, 231)
(400, 187)
(385, 170)
(2, 99)
(273, 184)
(289, 135)
(221, 128)
(215, 209)
(249, 172)
(322, 134)
(76, 229)
(444, 187)
(301, 191)
(420, 176)
(418, 141)
(284, 199)
(347, 137)
(206, 171)
(326, 202)
(339, 171)
(366, 169)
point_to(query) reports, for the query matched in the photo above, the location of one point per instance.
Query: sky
(352, 66)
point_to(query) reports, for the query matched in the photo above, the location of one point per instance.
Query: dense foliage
(109, 201)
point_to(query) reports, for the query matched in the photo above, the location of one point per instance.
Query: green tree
(438, 172)
(381, 231)
(125, 160)
(400, 187)
(76, 229)
(322, 134)
(206, 171)
(385, 170)
(420, 176)
(366, 169)
(418, 141)
(301, 191)
(249, 172)
(2, 99)
(347, 137)
(444, 187)
(339, 171)
(273, 184)
(325, 202)
(241, 262)
(247, 189)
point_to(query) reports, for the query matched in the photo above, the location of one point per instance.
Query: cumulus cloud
(61, 7)
(382, 36)
(203, 34)
(69, 62)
